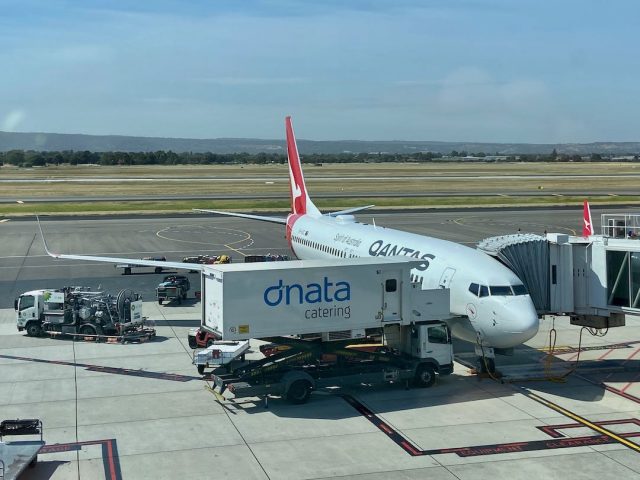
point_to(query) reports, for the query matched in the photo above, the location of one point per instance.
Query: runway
(140, 411)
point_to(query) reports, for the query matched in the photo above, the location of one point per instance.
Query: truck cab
(30, 312)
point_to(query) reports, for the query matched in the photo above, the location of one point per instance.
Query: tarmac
(135, 411)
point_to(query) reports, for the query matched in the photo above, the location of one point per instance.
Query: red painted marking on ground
(387, 430)
(605, 354)
(635, 352)
(112, 466)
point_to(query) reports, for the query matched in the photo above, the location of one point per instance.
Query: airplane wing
(280, 220)
(129, 261)
(348, 210)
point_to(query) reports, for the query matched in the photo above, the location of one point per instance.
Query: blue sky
(492, 70)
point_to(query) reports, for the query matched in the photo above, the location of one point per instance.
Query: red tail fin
(587, 226)
(300, 201)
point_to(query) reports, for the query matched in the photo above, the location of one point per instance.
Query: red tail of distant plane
(587, 224)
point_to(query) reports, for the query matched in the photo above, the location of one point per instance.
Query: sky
(453, 70)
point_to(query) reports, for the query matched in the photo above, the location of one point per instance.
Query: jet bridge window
(500, 290)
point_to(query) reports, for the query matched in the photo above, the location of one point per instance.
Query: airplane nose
(520, 319)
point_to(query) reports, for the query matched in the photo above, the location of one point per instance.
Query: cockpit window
(484, 291)
(519, 290)
(473, 288)
(501, 290)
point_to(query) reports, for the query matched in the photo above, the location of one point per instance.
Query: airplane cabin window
(501, 290)
(519, 290)
(473, 288)
(484, 291)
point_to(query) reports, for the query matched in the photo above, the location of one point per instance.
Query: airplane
(490, 304)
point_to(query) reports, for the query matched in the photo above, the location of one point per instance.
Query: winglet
(587, 224)
(44, 241)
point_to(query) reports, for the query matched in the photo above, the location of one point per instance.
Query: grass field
(496, 180)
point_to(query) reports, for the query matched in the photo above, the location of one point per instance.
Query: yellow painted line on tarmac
(582, 420)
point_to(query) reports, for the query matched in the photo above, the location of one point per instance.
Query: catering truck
(79, 310)
(320, 312)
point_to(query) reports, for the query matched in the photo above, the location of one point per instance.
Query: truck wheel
(87, 330)
(299, 392)
(158, 270)
(201, 369)
(34, 329)
(159, 301)
(425, 376)
(127, 271)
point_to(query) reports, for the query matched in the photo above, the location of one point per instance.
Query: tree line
(32, 158)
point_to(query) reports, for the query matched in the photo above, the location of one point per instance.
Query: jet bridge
(595, 280)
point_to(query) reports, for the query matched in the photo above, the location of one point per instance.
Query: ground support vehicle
(306, 365)
(219, 353)
(265, 258)
(201, 337)
(127, 267)
(82, 312)
(173, 287)
(207, 260)
(313, 310)
(16, 456)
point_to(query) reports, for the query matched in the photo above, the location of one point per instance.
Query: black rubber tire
(87, 330)
(210, 342)
(159, 302)
(127, 271)
(425, 376)
(34, 329)
(158, 270)
(201, 369)
(299, 392)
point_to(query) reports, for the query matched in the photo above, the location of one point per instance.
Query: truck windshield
(26, 301)
(438, 335)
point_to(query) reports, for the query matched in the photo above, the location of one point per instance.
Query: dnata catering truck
(78, 310)
(321, 312)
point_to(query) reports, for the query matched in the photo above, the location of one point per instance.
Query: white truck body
(243, 301)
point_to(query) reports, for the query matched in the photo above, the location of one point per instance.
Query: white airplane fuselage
(494, 320)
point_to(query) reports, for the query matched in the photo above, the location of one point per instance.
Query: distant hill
(120, 143)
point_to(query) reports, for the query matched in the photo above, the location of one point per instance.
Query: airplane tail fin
(300, 202)
(587, 224)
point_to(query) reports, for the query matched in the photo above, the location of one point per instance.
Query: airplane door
(446, 277)
(391, 297)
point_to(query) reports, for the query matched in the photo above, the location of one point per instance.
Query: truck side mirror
(15, 304)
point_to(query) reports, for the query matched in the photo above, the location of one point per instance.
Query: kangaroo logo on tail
(587, 224)
(300, 202)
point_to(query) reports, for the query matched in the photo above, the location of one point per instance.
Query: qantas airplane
(491, 305)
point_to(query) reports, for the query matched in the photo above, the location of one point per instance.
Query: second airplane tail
(587, 224)
(301, 204)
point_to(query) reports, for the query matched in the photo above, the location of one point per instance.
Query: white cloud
(13, 119)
